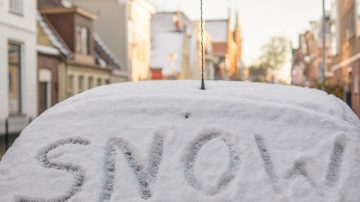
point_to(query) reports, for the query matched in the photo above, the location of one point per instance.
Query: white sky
(260, 19)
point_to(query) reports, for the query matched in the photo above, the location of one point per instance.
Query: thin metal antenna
(202, 46)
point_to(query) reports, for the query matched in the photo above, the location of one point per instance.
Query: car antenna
(202, 46)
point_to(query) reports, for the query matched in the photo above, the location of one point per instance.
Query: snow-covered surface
(169, 141)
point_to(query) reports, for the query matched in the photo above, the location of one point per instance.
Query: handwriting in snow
(146, 174)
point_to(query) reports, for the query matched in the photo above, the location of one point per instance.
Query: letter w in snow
(299, 168)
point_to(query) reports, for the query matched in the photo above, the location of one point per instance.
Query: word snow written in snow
(146, 174)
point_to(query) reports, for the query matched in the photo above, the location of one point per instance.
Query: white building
(18, 63)
(173, 45)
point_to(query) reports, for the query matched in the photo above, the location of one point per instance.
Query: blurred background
(51, 50)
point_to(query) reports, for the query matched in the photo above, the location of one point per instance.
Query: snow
(170, 141)
(106, 49)
(52, 36)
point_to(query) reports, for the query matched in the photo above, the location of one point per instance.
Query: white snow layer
(171, 142)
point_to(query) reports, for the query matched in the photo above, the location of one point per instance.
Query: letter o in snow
(191, 155)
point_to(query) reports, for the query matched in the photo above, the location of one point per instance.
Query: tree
(274, 53)
(258, 73)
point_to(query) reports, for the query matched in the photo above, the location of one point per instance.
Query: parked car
(171, 141)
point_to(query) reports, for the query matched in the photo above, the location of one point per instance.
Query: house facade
(51, 56)
(226, 40)
(206, 43)
(173, 48)
(87, 61)
(346, 66)
(307, 67)
(130, 22)
(18, 64)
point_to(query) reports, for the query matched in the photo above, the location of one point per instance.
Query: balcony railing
(10, 129)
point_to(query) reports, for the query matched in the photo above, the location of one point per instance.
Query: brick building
(347, 61)
(72, 57)
(226, 40)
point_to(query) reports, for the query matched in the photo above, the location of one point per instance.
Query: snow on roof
(111, 59)
(170, 141)
(53, 36)
(217, 29)
(163, 45)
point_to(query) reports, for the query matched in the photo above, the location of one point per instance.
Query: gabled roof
(103, 54)
(54, 38)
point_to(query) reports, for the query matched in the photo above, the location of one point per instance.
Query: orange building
(226, 40)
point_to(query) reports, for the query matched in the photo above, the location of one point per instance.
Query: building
(87, 61)
(173, 45)
(209, 60)
(125, 26)
(226, 46)
(18, 72)
(307, 67)
(52, 56)
(346, 66)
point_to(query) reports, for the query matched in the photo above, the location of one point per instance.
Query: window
(16, 6)
(99, 82)
(350, 25)
(82, 40)
(44, 96)
(358, 17)
(91, 82)
(14, 54)
(70, 85)
(81, 84)
(107, 81)
(44, 93)
(356, 84)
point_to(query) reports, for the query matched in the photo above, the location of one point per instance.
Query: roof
(217, 29)
(103, 54)
(74, 10)
(53, 36)
(104, 57)
(171, 141)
